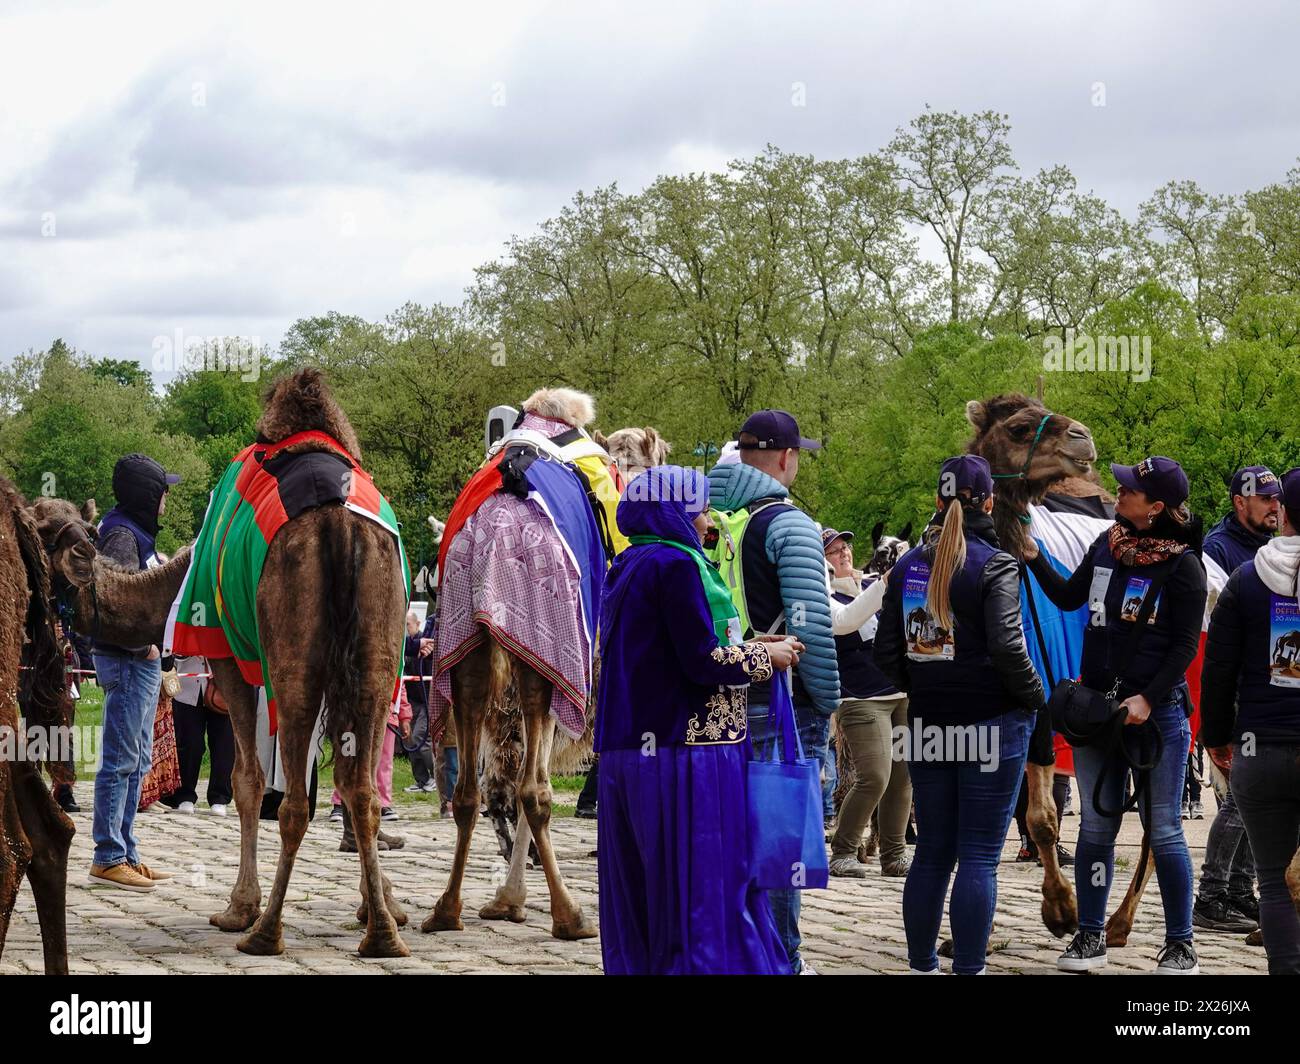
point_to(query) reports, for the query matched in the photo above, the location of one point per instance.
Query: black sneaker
(585, 812)
(1086, 952)
(1028, 851)
(1064, 857)
(1178, 958)
(1213, 914)
(67, 802)
(1246, 904)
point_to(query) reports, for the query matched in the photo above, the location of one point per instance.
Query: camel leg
(471, 685)
(50, 832)
(1060, 910)
(567, 919)
(511, 895)
(297, 723)
(15, 855)
(1120, 924)
(247, 782)
(390, 903)
(1293, 880)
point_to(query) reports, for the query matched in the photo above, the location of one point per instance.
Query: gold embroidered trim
(752, 657)
(725, 721)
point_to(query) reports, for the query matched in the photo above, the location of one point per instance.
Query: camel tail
(343, 695)
(42, 689)
(500, 674)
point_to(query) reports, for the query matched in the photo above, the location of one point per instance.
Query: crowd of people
(729, 597)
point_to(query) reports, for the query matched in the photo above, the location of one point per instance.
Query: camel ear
(877, 530)
(601, 439)
(89, 511)
(906, 533)
(977, 415)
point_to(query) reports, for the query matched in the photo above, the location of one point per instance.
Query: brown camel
(331, 604)
(484, 716)
(35, 834)
(1030, 451)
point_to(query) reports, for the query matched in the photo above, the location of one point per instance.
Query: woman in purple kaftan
(676, 894)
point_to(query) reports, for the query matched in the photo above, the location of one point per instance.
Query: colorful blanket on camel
(263, 488)
(522, 558)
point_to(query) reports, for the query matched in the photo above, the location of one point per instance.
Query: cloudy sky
(223, 169)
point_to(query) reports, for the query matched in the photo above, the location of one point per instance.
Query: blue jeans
(1161, 812)
(962, 815)
(814, 734)
(448, 769)
(1229, 870)
(130, 704)
(831, 782)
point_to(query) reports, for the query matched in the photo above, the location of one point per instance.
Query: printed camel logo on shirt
(1284, 635)
(1135, 593)
(926, 640)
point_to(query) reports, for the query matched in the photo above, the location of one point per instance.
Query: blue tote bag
(787, 847)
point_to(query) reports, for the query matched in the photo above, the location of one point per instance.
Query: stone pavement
(854, 926)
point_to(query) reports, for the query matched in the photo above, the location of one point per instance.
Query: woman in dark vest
(1154, 542)
(1250, 698)
(950, 637)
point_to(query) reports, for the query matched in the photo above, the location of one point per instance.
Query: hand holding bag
(1087, 717)
(787, 847)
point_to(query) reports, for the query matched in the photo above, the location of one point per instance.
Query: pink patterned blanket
(508, 569)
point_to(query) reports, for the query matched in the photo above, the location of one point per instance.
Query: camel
(331, 604)
(1286, 651)
(1030, 451)
(35, 834)
(495, 695)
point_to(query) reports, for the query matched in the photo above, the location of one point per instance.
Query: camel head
(635, 450)
(69, 535)
(886, 550)
(1030, 449)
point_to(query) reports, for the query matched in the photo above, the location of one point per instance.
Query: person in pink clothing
(399, 720)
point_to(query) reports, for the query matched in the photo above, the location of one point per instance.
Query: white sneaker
(430, 787)
(805, 968)
(185, 807)
(414, 788)
(218, 810)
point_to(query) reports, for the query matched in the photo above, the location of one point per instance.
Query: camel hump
(302, 402)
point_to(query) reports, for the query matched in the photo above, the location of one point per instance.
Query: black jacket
(997, 591)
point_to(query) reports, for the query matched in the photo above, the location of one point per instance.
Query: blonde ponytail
(949, 556)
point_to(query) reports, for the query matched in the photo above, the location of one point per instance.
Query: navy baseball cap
(965, 473)
(829, 536)
(1157, 477)
(1290, 490)
(775, 431)
(1255, 480)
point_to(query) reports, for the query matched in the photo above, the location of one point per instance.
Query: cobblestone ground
(855, 926)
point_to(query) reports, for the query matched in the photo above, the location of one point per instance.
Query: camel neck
(132, 607)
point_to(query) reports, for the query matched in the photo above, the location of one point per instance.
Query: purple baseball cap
(1290, 490)
(776, 430)
(829, 536)
(1255, 480)
(1157, 477)
(965, 473)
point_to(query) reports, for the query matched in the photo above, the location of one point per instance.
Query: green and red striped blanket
(264, 487)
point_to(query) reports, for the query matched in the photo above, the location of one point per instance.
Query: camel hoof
(574, 929)
(442, 919)
(500, 910)
(236, 918)
(380, 945)
(1117, 936)
(945, 948)
(259, 944)
(1061, 914)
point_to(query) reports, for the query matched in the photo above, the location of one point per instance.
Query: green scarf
(722, 609)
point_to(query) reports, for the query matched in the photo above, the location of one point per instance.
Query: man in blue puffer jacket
(785, 591)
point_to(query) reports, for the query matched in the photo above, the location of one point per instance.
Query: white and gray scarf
(1278, 565)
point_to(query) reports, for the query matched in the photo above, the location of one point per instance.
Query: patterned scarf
(1132, 549)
